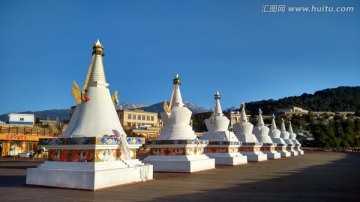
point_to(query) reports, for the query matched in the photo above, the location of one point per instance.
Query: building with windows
(21, 119)
(16, 140)
(234, 117)
(21, 136)
(138, 118)
(140, 123)
(292, 110)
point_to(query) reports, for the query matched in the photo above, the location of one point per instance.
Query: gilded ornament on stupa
(98, 48)
(176, 80)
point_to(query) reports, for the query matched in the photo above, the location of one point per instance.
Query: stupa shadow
(11, 180)
(325, 180)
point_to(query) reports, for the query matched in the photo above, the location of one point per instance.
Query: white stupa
(223, 144)
(92, 153)
(250, 146)
(275, 133)
(262, 134)
(294, 140)
(286, 137)
(177, 149)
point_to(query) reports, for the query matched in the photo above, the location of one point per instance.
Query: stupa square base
(284, 154)
(272, 155)
(291, 150)
(87, 175)
(270, 151)
(300, 152)
(183, 164)
(255, 157)
(227, 159)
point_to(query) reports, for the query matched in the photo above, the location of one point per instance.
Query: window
(134, 116)
(139, 117)
(21, 119)
(152, 118)
(143, 117)
(129, 116)
(148, 118)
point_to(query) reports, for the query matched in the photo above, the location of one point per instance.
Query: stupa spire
(218, 109)
(273, 123)
(283, 125)
(261, 120)
(290, 128)
(96, 74)
(176, 99)
(243, 117)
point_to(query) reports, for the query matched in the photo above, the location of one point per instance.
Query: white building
(21, 119)
(292, 110)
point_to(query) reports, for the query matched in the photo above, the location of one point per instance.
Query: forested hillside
(335, 99)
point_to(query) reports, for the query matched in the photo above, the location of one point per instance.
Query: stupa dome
(243, 130)
(261, 131)
(284, 133)
(176, 117)
(217, 121)
(218, 124)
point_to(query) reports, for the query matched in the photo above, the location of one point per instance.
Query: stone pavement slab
(315, 176)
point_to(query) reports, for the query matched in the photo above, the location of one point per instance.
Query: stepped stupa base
(90, 175)
(269, 150)
(183, 164)
(89, 163)
(300, 152)
(272, 155)
(228, 159)
(283, 152)
(179, 156)
(255, 157)
(252, 152)
(292, 151)
(225, 152)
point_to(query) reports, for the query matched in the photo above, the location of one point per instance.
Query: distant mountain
(335, 99)
(233, 108)
(332, 99)
(128, 106)
(64, 114)
(158, 107)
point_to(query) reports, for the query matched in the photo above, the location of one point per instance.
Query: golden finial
(217, 95)
(98, 48)
(176, 80)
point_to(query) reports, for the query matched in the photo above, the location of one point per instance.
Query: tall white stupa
(92, 153)
(250, 146)
(286, 137)
(275, 133)
(295, 141)
(262, 134)
(177, 148)
(223, 144)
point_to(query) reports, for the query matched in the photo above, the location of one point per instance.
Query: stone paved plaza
(315, 176)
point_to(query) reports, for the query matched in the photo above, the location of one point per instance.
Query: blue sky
(214, 45)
